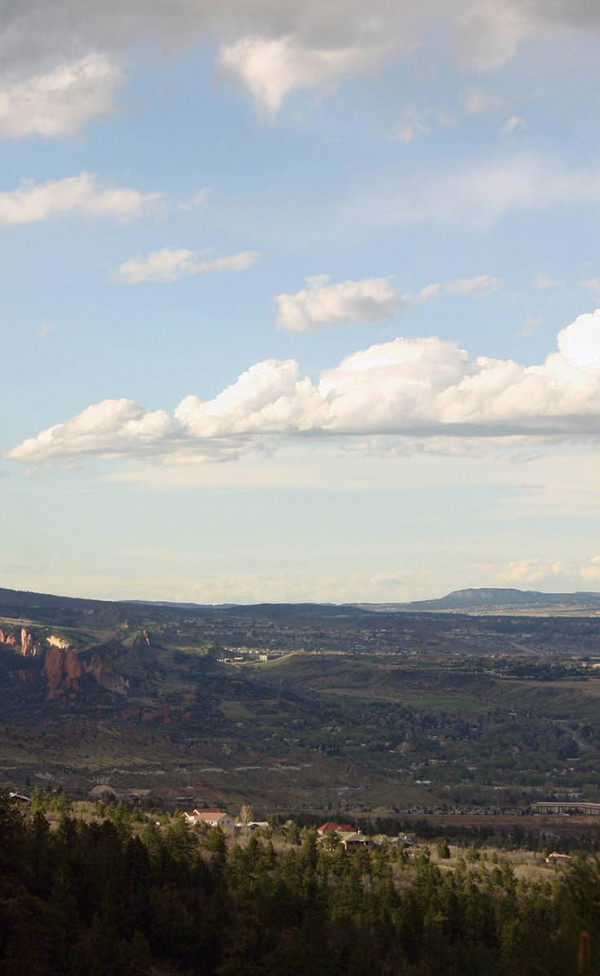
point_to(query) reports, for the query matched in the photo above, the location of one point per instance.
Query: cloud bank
(272, 48)
(423, 388)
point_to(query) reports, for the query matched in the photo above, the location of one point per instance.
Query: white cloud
(82, 195)
(530, 571)
(368, 300)
(322, 303)
(478, 287)
(105, 429)
(423, 388)
(511, 125)
(61, 101)
(272, 67)
(169, 264)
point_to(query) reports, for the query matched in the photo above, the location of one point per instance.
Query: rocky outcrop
(106, 676)
(29, 648)
(55, 641)
(25, 641)
(63, 670)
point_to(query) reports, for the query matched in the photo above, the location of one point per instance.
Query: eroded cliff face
(63, 671)
(25, 641)
(61, 668)
(106, 676)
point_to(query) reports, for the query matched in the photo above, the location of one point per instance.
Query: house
(210, 818)
(103, 793)
(356, 841)
(330, 828)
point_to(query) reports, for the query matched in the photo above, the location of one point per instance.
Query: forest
(124, 894)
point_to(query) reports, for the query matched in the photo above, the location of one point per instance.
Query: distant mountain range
(476, 600)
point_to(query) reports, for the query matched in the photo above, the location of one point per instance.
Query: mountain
(501, 600)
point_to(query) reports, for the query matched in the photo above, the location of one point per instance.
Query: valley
(302, 707)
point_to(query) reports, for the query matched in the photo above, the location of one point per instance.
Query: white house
(211, 818)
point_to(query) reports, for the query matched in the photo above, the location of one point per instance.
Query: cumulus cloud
(368, 300)
(322, 303)
(271, 68)
(106, 429)
(417, 387)
(82, 195)
(169, 264)
(61, 101)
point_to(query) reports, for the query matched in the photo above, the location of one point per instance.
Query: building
(567, 806)
(210, 818)
(330, 827)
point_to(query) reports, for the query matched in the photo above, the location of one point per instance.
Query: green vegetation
(124, 895)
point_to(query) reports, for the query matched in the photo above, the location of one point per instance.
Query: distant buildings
(554, 807)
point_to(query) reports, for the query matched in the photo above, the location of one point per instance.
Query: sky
(300, 301)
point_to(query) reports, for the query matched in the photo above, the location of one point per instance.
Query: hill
(484, 600)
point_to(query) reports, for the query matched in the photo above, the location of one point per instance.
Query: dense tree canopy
(118, 897)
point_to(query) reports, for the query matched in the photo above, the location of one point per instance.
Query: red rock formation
(62, 669)
(28, 645)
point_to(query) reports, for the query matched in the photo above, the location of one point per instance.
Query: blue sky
(300, 301)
